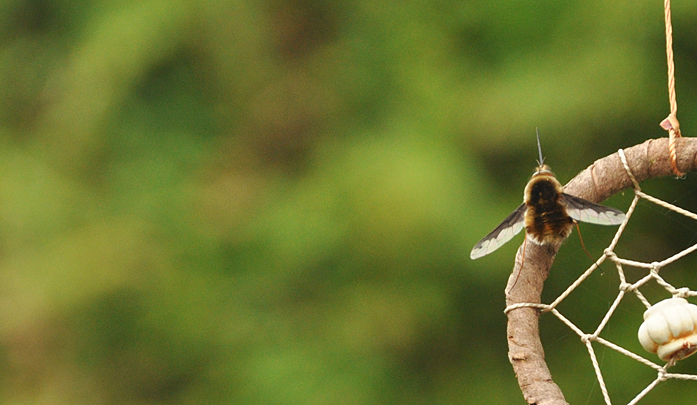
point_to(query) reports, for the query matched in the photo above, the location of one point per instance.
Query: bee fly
(547, 213)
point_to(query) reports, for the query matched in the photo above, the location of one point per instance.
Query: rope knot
(672, 125)
(610, 254)
(683, 292)
(671, 122)
(588, 338)
(663, 373)
(626, 287)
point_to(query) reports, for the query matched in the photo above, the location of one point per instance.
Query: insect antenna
(539, 148)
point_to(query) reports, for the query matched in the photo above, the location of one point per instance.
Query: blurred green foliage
(244, 202)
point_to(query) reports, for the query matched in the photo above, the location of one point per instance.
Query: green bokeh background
(273, 202)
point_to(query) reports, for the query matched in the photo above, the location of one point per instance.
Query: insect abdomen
(546, 220)
(548, 226)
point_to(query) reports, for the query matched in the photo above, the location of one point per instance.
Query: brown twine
(671, 123)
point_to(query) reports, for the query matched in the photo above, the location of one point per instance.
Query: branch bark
(599, 181)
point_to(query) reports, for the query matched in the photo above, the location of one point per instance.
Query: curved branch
(599, 181)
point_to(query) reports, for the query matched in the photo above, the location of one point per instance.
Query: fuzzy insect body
(546, 219)
(547, 214)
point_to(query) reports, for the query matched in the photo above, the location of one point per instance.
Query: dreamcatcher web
(624, 287)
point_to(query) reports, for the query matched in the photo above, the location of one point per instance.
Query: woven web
(653, 270)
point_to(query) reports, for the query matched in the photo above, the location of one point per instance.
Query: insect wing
(586, 211)
(510, 227)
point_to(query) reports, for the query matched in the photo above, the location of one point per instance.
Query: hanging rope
(671, 123)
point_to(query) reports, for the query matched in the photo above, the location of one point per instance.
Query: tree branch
(599, 181)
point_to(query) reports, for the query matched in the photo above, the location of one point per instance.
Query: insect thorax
(543, 190)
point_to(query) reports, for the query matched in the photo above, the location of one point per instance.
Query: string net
(624, 288)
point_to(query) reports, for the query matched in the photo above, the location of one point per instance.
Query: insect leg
(578, 229)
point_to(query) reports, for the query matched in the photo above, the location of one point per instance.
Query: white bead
(669, 329)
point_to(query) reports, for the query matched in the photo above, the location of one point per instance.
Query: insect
(547, 213)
